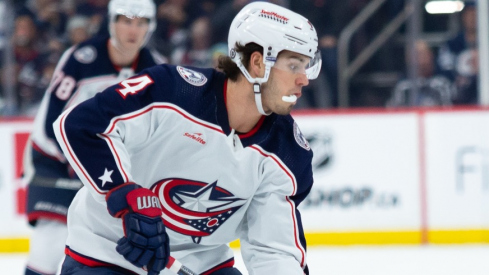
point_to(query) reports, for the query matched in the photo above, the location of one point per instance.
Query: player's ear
(257, 67)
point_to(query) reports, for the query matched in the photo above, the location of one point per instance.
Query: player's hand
(145, 243)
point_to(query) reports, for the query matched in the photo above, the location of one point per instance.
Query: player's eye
(296, 67)
(143, 22)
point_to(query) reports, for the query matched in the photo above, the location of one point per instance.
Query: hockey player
(82, 71)
(183, 160)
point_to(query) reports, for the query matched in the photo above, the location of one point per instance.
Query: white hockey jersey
(167, 129)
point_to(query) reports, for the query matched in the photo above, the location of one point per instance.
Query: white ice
(362, 260)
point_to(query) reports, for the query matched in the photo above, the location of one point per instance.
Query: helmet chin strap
(256, 83)
(259, 105)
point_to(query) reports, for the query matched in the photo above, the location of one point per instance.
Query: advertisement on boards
(366, 172)
(457, 177)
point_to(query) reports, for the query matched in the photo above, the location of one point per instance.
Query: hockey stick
(178, 268)
(61, 183)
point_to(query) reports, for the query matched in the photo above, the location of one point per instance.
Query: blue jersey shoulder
(165, 84)
(195, 90)
(285, 139)
(91, 58)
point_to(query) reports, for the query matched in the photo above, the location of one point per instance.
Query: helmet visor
(314, 66)
(299, 64)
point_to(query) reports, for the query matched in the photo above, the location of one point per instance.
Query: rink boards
(381, 177)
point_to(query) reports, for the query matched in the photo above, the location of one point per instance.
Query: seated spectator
(216, 51)
(30, 60)
(196, 52)
(429, 88)
(50, 19)
(222, 17)
(77, 29)
(96, 11)
(329, 18)
(174, 20)
(457, 58)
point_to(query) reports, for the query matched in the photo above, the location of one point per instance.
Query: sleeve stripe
(297, 242)
(114, 152)
(280, 164)
(46, 154)
(292, 205)
(72, 155)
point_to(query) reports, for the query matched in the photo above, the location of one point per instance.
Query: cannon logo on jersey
(191, 76)
(85, 55)
(193, 208)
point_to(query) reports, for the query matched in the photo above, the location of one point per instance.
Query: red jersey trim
(226, 264)
(85, 260)
(42, 152)
(33, 216)
(289, 201)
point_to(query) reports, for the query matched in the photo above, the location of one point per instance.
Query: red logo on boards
(20, 141)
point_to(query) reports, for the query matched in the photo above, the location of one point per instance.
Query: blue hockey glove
(145, 243)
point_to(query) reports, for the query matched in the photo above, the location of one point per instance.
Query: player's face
(287, 78)
(131, 32)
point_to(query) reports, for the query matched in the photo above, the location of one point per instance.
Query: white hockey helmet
(133, 9)
(275, 29)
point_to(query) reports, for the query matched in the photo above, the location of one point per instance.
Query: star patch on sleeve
(106, 177)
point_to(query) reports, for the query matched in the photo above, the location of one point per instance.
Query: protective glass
(300, 64)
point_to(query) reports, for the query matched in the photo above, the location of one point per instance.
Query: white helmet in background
(133, 9)
(275, 29)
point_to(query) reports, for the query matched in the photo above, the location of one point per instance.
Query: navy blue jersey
(82, 71)
(167, 129)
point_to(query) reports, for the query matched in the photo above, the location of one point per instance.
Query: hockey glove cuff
(145, 243)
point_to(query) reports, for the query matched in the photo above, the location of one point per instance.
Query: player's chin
(133, 45)
(291, 107)
(285, 110)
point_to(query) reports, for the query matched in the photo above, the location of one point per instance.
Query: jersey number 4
(134, 85)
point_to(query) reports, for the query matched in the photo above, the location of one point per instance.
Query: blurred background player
(210, 156)
(83, 70)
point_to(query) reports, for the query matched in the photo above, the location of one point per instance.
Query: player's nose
(302, 80)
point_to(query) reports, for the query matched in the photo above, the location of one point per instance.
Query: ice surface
(362, 260)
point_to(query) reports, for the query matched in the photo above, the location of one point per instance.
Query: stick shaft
(178, 268)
